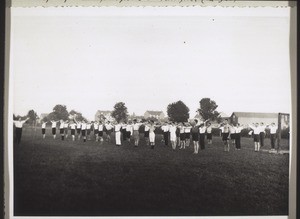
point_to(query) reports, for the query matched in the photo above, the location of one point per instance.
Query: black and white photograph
(150, 111)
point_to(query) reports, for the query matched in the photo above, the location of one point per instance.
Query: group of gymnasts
(178, 134)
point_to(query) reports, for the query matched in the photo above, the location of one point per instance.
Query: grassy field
(54, 177)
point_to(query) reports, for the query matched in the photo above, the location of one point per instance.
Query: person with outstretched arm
(78, 128)
(44, 129)
(19, 125)
(66, 127)
(54, 123)
(100, 131)
(73, 129)
(136, 135)
(209, 133)
(83, 130)
(226, 135)
(182, 136)
(262, 134)
(118, 129)
(238, 129)
(273, 134)
(173, 137)
(232, 129)
(129, 131)
(195, 136)
(146, 132)
(187, 131)
(165, 128)
(109, 128)
(96, 130)
(62, 129)
(202, 131)
(256, 131)
(152, 128)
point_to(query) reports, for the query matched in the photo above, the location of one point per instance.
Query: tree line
(176, 111)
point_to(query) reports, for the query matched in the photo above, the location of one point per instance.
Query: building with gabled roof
(246, 118)
(154, 114)
(223, 115)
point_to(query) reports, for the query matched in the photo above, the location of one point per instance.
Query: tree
(60, 112)
(32, 116)
(79, 116)
(52, 116)
(208, 109)
(178, 112)
(120, 112)
(45, 119)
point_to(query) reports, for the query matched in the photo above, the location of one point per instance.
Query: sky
(90, 58)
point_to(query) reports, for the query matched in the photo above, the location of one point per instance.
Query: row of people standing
(179, 134)
(82, 128)
(258, 131)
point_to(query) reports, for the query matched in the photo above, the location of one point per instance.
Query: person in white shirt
(96, 131)
(19, 125)
(66, 127)
(118, 127)
(173, 137)
(53, 125)
(187, 133)
(262, 134)
(232, 134)
(202, 131)
(44, 129)
(209, 133)
(238, 129)
(83, 130)
(136, 134)
(78, 128)
(73, 127)
(88, 130)
(129, 131)
(108, 127)
(100, 129)
(146, 132)
(152, 128)
(226, 135)
(273, 134)
(256, 130)
(182, 136)
(62, 129)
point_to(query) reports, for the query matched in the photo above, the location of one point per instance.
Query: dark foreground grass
(54, 177)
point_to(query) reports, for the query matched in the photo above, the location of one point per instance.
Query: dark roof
(151, 112)
(255, 115)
